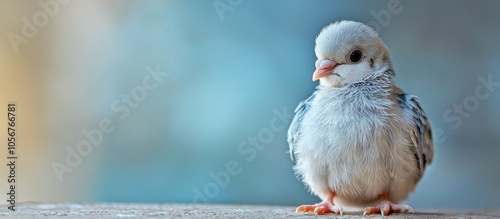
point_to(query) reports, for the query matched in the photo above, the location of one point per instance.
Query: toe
(305, 208)
(385, 210)
(337, 210)
(402, 208)
(321, 210)
(371, 210)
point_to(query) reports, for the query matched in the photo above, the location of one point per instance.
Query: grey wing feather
(420, 134)
(295, 127)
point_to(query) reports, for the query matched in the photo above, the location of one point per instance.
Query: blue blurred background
(214, 129)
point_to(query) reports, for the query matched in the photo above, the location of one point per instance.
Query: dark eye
(355, 56)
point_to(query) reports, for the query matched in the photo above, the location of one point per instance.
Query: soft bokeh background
(227, 77)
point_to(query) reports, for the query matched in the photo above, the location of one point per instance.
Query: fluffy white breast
(346, 145)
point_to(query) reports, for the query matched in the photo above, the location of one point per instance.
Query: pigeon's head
(348, 52)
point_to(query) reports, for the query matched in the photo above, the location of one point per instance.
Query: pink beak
(323, 68)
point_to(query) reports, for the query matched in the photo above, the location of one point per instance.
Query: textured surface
(34, 210)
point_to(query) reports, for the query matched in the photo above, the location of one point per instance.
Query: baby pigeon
(359, 142)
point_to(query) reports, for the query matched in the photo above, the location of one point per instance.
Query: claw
(410, 209)
(386, 207)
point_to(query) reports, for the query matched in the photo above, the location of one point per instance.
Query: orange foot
(324, 207)
(386, 207)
